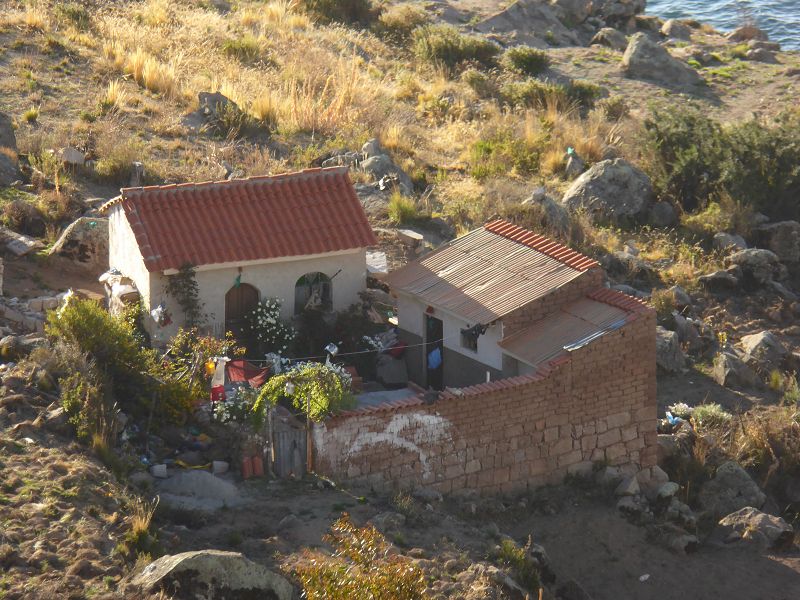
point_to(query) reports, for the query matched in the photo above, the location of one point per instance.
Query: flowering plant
(265, 323)
(237, 410)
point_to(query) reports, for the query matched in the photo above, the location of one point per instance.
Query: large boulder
(781, 238)
(731, 371)
(610, 38)
(619, 13)
(730, 490)
(645, 59)
(676, 29)
(758, 265)
(553, 215)
(669, 356)
(746, 33)
(9, 167)
(531, 22)
(383, 169)
(84, 241)
(611, 191)
(753, 525)
(572, 12)
(212, 574)
(763, 351)
(728, 241)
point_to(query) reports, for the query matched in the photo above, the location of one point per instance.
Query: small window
(313, 291)
(469, 339)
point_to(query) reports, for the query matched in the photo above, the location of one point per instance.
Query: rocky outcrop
(554, 216)
(752, 525)
(781, 238)
(676, 29)
(730, 490)
(9, 167)
(746, 33)
(611, 191)
(728, 241)
(645, 59)
(619, 13)
(663, 214)
(758, 266)
(731, 371)
(669, 356)
(85, 241)
(212, 574)
(763, 351)
(531, 22)
(610, 38)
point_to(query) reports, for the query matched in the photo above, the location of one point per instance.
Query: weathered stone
(672, 28)
(619, 13)
(610, 38)
(758, 265)
(669, 355)
(212, 574)
(84, 241)
(532, 22)
(761, 55)
(782, 238)
(573, 12)
(681, 298)
(719, 281)
(668, 490)
(751, 524)
(746, 33)
(382, 168)
(388, 521)
(554, 215)
(575, 166)
(763, 351)
(645, 59)
(731, 372)
(611, 190)
(17, 243)
(628, 487)
(731, 489)
(429, 495)
(198, 491)
(9, 167)
(728, 241)
(71, 156)
(662, 214)
(371, 147)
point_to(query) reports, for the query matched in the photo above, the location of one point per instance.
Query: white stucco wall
(124, 254)
(411, 318)
(274, 278)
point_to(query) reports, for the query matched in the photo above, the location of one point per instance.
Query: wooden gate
(290, 451)
(239, 302)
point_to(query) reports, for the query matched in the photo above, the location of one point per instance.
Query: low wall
(598, 404)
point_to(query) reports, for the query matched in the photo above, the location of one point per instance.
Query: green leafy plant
(341, 11)
(710, 416)
(526, 60)
(184, 288)
(265, 322)
(518, 559)
(361, 567)
(402, 209)
(316, 389)
(444, 44)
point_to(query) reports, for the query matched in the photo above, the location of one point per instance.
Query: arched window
(313, 291)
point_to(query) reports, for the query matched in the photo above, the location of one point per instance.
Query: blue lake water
(779, 18)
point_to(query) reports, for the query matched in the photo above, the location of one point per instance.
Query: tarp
(240, 370)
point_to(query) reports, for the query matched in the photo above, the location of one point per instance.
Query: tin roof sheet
(568, 328)
(490, 272)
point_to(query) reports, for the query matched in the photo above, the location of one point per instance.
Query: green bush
(479, 82)
(444, 44)
(399, 21)
(402, 209)
(533, 93)
(526, 60)
(521, 563)
(83, 399)
(245, 49)
(76, 15)
(754, 162)
(500, 153)
(341, 11)
(361, 567)
(710, 416)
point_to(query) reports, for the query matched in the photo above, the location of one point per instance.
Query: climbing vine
(314, 388)
(183, 287)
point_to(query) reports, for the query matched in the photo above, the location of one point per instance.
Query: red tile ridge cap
(389, 406)
(540, 243)
(620, 300)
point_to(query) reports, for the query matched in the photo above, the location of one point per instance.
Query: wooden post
(309, 443)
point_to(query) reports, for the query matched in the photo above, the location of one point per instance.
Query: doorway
(239, 303)
(434, 352)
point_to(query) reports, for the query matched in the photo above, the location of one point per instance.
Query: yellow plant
(156, 13)
(265, 110)
(35, 17)
(159, 77)
(134, 64)
(115, 96)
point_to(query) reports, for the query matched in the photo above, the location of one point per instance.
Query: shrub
(502, 152)
(614, 108)
(246, 49)
(526, 60)
(265, 111)
(533, 93)
(444, 44)
(523, 566)
(188, 353)
(481, 84)
(399, 21)
(360, 568)
(183, 287)
(84, 401)
(31, 115)
(73, 13)
(114, 97)
(314, 388)
(341, 11)
(265, 322)
(710, 416)
(402, 209)
(664, 303)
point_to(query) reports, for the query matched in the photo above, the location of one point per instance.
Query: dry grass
(114, 97)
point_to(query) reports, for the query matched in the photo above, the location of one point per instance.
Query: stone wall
(597, 404)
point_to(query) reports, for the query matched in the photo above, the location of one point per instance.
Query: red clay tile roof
(296, 214)
(569, 257)
(490, 272)
(620, 300)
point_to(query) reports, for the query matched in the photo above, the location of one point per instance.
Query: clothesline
(264, 360)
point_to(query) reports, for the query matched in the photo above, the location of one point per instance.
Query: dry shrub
(114, 97)
(265, 110)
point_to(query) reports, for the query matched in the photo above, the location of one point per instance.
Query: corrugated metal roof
(486, 274)
(296, 214)
(569, 328)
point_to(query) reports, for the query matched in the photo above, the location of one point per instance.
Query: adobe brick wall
(566, 294)
(596, 404)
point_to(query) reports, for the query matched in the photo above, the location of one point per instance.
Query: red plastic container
(218, 393)
(258, 466)
(247, 467)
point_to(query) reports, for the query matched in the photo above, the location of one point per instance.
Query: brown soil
(32, 276)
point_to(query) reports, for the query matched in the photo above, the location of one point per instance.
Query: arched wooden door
(239, 303)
